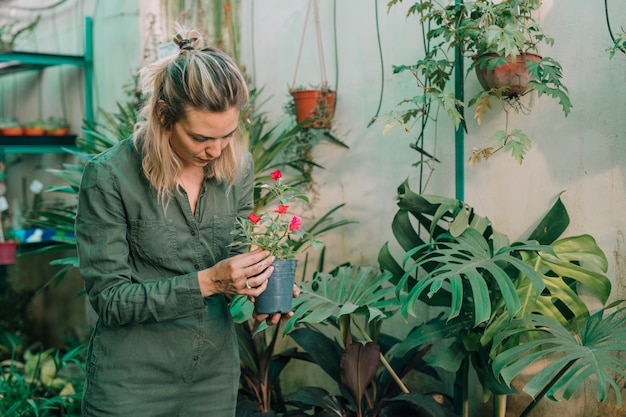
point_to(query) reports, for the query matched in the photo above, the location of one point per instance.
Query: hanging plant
(313, 106)
(495, 36)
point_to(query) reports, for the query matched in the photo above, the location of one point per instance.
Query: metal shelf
(16, 61)
(36, 144)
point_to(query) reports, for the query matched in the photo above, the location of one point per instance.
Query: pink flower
(276, 175)
(295, 223)
(254, 218)
(282, 209)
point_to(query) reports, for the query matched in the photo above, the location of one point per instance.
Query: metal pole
(459, 134)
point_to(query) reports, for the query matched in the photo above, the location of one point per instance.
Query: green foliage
(360, 298)
(12, 30)
(39, 383)
(356, 369)
(619, 44)
(455, 260)
(471, 263)
(590, 351)
(344, 292)
(487, 32)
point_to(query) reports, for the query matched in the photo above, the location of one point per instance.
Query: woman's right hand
(244, 274)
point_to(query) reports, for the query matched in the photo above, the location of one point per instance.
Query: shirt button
(195, 358)
(196, 266)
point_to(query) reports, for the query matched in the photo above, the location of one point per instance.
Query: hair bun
(185, 44)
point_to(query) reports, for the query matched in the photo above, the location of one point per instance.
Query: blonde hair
(198, 78)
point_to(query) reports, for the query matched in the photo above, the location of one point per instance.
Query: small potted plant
(11, 127)
(56, 126)
(8, 243)
(34, 128)
(280, 233)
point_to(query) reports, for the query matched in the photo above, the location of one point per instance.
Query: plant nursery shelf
(19, 61)
(14, 61)
(36, 144)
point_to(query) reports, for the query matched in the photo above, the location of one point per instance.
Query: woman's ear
(161, 111)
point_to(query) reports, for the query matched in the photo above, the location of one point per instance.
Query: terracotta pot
(8, 252)
(61, 131)
(512, 74)
(316, 107)
(12, 131)
(278, 295)
(34, 131)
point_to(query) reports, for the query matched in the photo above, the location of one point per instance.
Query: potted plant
(314, 106)
(499, 38)
(496, 297)
(280, 233)
(56, 126)
(11, 127)
(34, 128)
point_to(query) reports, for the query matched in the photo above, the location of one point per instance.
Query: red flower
(282, 209)
(295, 223)
(254, 218)
(276, 175)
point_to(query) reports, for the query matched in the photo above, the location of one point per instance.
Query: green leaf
(469, 259)
(594, 351)
(552, 225)
(346, 291)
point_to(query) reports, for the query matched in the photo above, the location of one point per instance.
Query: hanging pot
(8, 252)
(512, 74)
(278, 295)
(315, 107)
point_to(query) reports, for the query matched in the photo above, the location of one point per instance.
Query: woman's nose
(214, 148)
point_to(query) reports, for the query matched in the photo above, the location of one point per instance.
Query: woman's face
(200, 136)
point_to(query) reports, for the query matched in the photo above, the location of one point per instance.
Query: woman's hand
(244, 274)
(273, 319)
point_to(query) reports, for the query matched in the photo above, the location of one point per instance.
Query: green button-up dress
(159, 348)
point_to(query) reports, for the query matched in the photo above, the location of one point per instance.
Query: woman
(153, 227)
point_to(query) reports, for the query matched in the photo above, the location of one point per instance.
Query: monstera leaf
(577, 261)
(471, 260)
(592, 351)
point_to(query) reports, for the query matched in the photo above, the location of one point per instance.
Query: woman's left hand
(273, 319)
